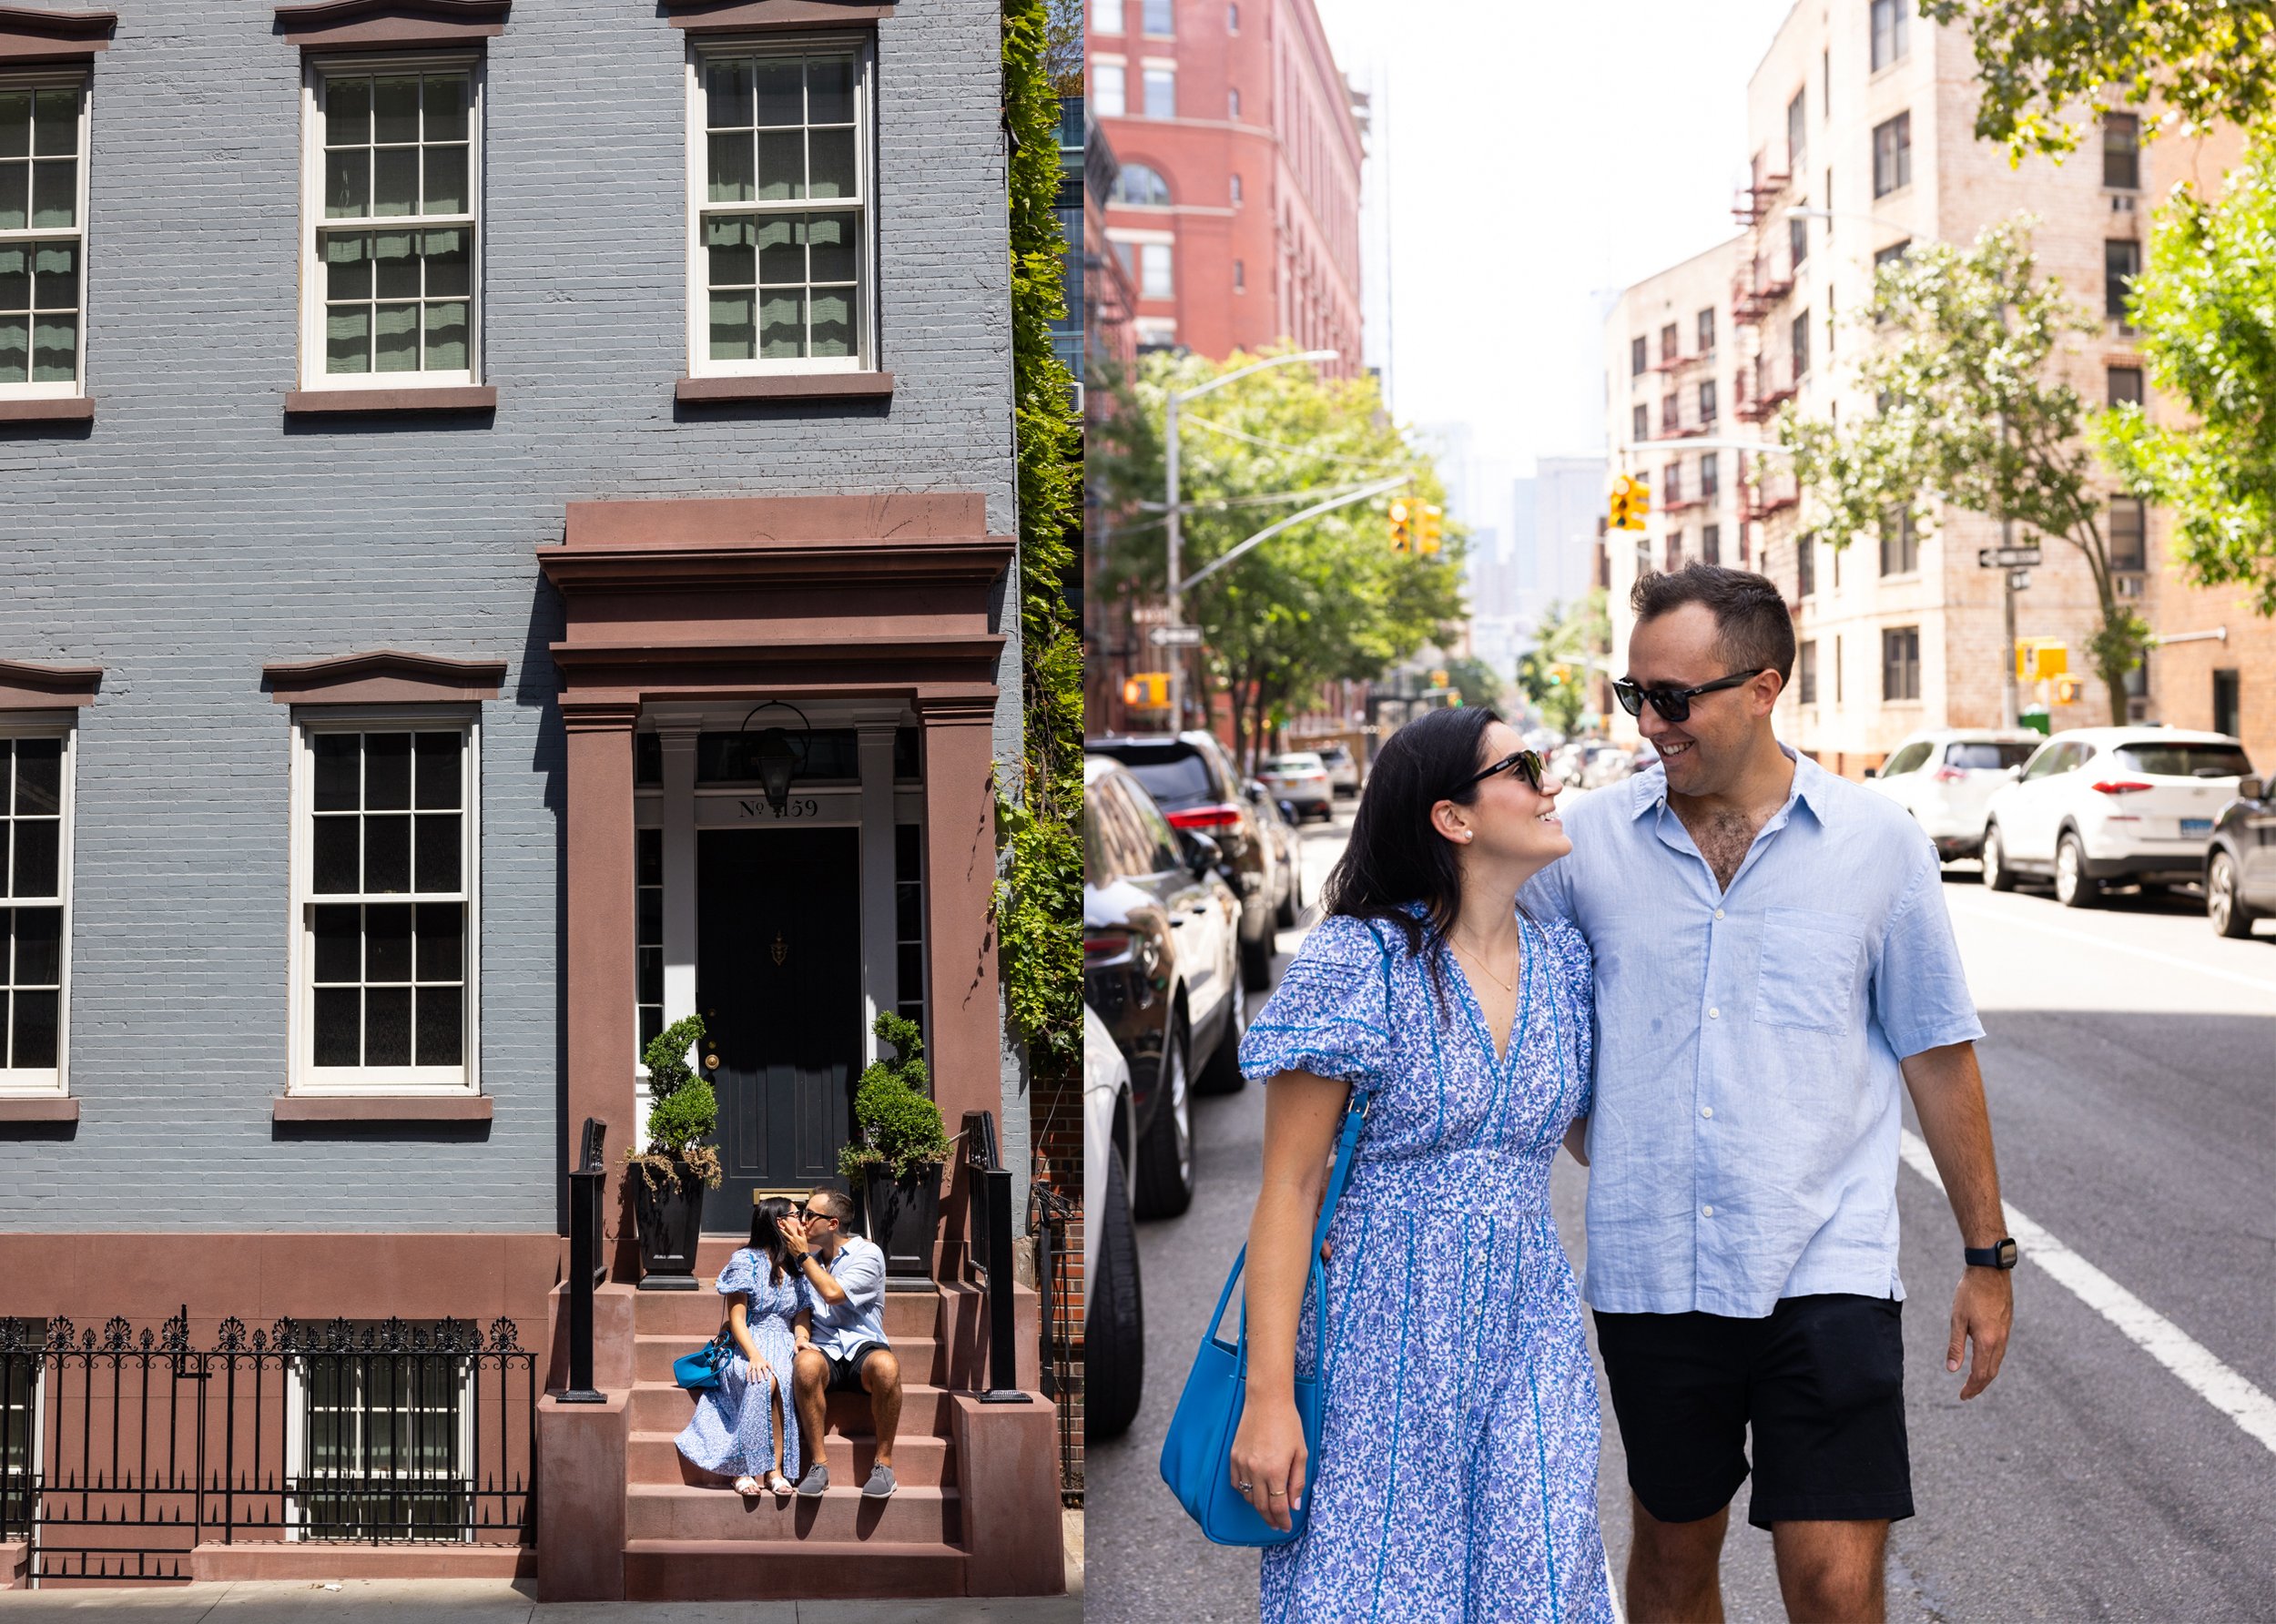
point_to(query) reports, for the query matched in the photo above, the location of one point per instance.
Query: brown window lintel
(380, 1108)
(335, 25)
(28, 35)
(357, 402)
(27, 686)
(383, 677)
(705, 17)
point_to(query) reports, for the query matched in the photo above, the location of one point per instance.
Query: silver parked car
(1945, 778)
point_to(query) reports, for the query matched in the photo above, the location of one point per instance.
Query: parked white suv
(1946, 777)
(2102, 804)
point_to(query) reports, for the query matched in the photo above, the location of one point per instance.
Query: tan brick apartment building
(1863, 114)
(1237, 207)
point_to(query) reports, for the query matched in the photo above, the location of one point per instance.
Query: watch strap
(2000, 1255)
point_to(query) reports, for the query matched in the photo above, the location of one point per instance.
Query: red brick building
(1237, 207)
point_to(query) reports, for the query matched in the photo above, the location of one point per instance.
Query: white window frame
(41, 1081)
(297, 1442)
(313, 223)
(864, 203)
(1121, 98)
(50, 79)
(304, 1077)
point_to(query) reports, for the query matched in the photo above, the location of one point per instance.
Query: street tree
(1554, 672)
(2206, 315)
(1327, 600)
(1959, 350)
(2050, 68)
(1476, 681)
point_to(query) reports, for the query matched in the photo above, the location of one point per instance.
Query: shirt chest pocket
(1808, 975)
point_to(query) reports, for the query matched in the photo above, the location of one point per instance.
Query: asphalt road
(2131, 1060)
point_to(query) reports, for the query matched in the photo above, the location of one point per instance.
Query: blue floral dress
(733, 1430)
(1458, 1473)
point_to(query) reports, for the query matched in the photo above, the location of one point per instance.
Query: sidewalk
(491, 1601)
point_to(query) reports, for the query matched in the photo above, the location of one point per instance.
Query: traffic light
(1147, 691)
(2038, 659)
(1427, 528)
(1631, 502)
(1438, 679)
(1402, 524)
(2067, 689)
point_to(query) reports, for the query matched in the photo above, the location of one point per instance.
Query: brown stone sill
(38, 1108)
(383, 1108)
(62, 409)
(789, 386)
(342, 402)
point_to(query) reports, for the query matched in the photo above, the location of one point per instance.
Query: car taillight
(1949, 775)
(2119, 787)
(1221, 817)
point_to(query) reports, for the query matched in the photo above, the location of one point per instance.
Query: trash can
(2033, 717)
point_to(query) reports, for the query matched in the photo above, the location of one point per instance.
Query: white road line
(2157, 1336)
(2000, 917)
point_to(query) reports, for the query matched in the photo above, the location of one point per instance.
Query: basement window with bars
(35, 859)
(393, 170)
(385, 879)
(781, 265)
(379, 1437)
(43, 233)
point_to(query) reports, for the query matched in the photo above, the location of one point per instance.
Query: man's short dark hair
(834, 1203)
(1755, 628)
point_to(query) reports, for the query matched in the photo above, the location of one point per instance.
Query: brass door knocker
(782, 947)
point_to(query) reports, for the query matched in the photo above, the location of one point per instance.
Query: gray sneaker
(881, 1483)
(816, 1481)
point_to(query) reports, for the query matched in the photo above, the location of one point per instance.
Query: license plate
(2197, 825)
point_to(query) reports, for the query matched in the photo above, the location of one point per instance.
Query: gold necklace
(1472, 953)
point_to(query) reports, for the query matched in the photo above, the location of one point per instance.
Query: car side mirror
(1873, 772)
(2251, 789)
(1202, 853)
(2016, 773)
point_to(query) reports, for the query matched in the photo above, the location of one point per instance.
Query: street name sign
(1175, 637)
(2007, 558)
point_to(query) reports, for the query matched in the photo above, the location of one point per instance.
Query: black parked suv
(2241, 862)
(1192, 780)
(1159, 967)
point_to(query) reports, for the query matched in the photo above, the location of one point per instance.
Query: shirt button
(1719, 913)
(1709, 1212)
(1706, 1111)
(1714, 1014)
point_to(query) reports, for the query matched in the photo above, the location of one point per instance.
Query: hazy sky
(1538, 154)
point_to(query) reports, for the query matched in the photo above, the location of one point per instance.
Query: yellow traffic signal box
(1631, 502)
(2039, 659)
(1147, 691)
(1426, 527)
(1402, 524)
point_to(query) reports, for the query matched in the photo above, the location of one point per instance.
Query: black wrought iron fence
(120, 1453)
(1059, 1269)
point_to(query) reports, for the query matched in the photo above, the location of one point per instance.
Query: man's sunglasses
(813, 1215)
(1526, 764)
(1675, 704)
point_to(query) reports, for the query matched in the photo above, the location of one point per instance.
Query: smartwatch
(2000, 1255)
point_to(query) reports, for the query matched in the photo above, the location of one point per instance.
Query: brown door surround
(743, 599)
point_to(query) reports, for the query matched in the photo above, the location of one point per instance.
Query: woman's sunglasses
(1526, 764)
(1674, 704)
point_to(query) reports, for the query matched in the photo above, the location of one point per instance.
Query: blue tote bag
(1196, 1454)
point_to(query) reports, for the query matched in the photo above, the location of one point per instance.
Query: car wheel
(1256, 962)
(1284, 916)
(2074, 886)
(2223, 906)
(1114, 1327)
(1165, 1156)
(1998, 876)
(1222, 1075)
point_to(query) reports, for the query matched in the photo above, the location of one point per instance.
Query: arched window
(1139, 184)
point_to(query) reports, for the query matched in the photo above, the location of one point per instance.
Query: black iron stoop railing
(988, 1228)
(1059, 1261)
(120, 1453)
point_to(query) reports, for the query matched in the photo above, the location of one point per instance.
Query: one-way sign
(2007, 558)
(1175, 637)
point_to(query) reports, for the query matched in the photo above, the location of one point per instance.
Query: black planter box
(904, 1219)
(670, 1214)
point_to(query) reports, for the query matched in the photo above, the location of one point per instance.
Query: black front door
(779, 980)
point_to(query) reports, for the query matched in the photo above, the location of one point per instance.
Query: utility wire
(1282, 445)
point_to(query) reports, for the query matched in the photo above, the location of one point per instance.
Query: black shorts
(1821, 1381)
(845, 1374)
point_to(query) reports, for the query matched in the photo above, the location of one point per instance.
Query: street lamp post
(1177, 397)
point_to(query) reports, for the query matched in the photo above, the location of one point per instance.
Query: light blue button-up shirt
(1743, 1143)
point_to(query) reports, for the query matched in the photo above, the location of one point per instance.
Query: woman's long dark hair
(1395, 858)
(766, 1218)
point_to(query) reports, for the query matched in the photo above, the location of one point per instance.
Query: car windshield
(1981, 756)
(1296, 764)
(1333, 754)
(2184, 761)
(1175, 781)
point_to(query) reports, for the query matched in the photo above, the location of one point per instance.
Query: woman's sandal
(777, 1485)
(747, 1486)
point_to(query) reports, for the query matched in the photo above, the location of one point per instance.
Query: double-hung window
(35, 902)
(1893, 155)
(781, 268)
(394, 260)
(43, 233)
(384, 864)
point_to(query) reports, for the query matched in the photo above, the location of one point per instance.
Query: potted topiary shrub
(677, 1167)
(898, 1148)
